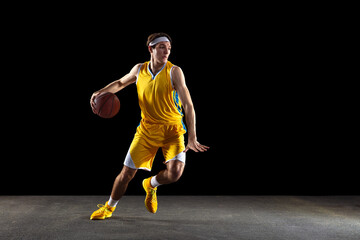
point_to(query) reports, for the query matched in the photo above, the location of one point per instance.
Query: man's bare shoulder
(178, 77)
(177, 70)
(136, 68)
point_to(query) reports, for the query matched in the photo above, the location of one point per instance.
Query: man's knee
(127, 174)
(175, 171)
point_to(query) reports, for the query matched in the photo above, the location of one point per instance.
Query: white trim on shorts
(130, 163)
(180, 157)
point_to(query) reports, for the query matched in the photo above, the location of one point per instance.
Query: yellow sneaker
(151, 199)
(103, 212)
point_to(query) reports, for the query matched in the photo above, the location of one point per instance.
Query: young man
(162, 94)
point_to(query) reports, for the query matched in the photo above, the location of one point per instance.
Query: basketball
(107, 105)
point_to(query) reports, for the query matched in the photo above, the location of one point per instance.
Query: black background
(257, 79)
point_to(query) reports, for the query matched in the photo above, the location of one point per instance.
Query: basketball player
(162, 94)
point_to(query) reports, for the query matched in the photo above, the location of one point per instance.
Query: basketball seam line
(103, 105)
(112, 107)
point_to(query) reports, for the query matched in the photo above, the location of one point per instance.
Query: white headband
(157, 40)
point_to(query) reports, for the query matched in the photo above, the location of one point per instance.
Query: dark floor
(183, 217)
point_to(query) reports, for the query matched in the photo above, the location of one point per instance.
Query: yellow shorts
(149, 138)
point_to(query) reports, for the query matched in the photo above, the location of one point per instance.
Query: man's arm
(178, 79)
(118, 85)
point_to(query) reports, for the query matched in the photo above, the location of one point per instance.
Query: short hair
(157, 35)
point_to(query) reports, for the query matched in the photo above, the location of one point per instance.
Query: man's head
(154, 36)
(159, 45)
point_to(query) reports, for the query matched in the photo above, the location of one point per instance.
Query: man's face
(161, 51)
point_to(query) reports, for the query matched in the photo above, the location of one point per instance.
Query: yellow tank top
(158, 100)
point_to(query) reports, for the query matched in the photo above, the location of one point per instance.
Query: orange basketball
(107, 105)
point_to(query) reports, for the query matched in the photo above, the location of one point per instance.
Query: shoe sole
(100, 218)
(143, 184)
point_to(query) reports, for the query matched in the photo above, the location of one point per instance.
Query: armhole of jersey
(171, 70)
(137, 75)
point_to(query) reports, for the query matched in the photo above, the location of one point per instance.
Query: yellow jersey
(161, 125)
(159, 102)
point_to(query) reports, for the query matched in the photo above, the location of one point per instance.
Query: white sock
(154, 183)
(112, 202)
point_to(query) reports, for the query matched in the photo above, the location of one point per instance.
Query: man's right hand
(92, 100)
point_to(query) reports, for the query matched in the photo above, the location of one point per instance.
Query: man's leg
(172, 173)
(121, 182)
(120, 185)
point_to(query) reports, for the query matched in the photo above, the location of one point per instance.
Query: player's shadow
(142, 220)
